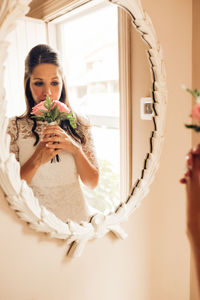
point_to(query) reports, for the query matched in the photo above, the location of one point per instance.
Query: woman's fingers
(52, 139)
(56, 145)
(189, 160)
(196, 150)
(56, 138)
(192, 164)
(54, 152)
(44, 154)
(186, 176)
(54, 129)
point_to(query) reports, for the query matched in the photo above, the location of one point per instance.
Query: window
(91, 68)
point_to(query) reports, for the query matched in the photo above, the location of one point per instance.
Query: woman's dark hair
(44, 54)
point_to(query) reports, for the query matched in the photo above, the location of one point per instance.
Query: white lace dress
(56, 185)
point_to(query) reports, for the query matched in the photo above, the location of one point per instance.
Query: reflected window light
(91, 67)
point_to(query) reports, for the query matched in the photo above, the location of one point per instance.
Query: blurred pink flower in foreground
(196, 112)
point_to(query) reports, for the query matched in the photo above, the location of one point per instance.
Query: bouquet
(195, 114)
(195, 110)
(53, 112)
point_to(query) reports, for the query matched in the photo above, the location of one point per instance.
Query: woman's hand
(192, 181)
(192, 161)
(43, 154)
(56, 138)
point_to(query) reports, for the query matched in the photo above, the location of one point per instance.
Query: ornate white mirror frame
(18, 193)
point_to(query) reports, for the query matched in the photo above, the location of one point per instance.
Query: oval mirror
(127, 112)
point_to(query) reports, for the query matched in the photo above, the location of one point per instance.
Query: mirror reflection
(35, 144)
(94, 93)
(89, 73)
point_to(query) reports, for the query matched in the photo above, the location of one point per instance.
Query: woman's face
(45, 79)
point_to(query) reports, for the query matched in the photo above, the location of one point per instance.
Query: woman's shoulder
(21, 120)
(11, 121)
(15, 123)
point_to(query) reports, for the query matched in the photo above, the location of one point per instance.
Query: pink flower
(61, 106)
(196, 112)
(36, 110)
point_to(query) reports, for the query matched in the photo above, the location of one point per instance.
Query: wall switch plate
(146, 108)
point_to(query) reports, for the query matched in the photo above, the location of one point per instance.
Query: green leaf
(46, 105)
(53, 112)
(195, 92)
(72, 123)
(63, 114)
(43, 111)
(48, 99)
(195, 127)
(57, 113)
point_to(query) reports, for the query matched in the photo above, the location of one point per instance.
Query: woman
(56, 185)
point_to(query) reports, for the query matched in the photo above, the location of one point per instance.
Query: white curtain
(28, 33)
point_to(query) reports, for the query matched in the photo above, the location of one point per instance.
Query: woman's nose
(46, 90)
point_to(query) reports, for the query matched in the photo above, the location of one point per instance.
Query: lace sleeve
(12, 131)
(89, 147)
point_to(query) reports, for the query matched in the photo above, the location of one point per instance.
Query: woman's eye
(39, 83)
(55, 83)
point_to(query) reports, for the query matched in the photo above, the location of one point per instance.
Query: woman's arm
(88, 173)
(192, 181)
(28, 170)
(12, 131)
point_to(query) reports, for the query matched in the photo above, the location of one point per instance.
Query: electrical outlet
(146, 108)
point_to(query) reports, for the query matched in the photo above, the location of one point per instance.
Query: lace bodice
(56, 185)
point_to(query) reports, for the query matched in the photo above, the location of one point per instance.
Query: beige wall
(153, 262)
(194, 291)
